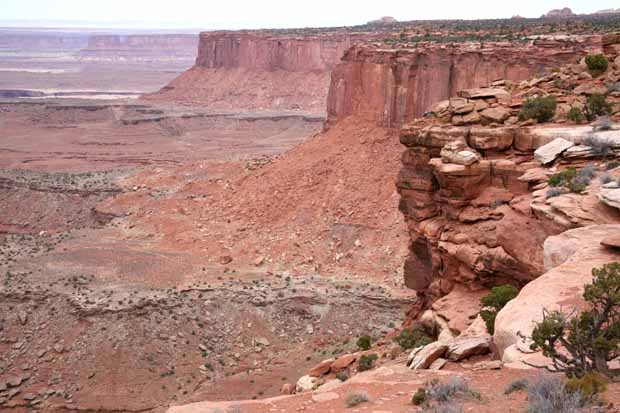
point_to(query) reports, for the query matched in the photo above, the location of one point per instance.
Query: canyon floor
(128, 286)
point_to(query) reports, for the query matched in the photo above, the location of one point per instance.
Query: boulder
(465, 347)
(610, 196)
(612, 241)
(551, 151)
(496, 115)
(287, 389)
(343, 362)
(535, 175)
(423, 357)
(438, 364)
(484, 93)
(491, 138)
(459, 153)
(322, 368)
(306, 383)
(467, 119)
(569, 259)
(590, 89)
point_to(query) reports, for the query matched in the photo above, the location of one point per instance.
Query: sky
(236, 14)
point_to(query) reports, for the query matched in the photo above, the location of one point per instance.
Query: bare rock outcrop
(393, 86)
(569, 259)
(473, 191)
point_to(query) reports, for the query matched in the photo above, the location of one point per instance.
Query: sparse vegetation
(364, 343)
(585, 343)
(599, 146)
(571, 179)
(605, 179)
(419, 397)
(597, 64)
(366, 362)
(417, 337)
(554, 192)
(589, 387)
(596, 105)
(576, 115)
(493, 302)
(540, 108)
(354, 399)
(549, 395)
(612, 165)
(439, 397)
(517, 385)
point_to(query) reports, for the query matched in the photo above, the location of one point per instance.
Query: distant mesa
(608, 11)
(384, 20)
(517, 17)
(565, 12)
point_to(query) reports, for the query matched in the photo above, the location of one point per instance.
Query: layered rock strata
(474, 194)
(395, 86)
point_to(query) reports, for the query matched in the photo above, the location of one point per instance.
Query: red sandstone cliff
(394, 86)
(260, 71)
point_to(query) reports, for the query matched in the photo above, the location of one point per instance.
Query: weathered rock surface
(569, 259)
(417, 79)
(610, 196)
(423, 357)
(551, 151)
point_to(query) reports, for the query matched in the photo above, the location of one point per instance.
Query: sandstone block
(551, 151)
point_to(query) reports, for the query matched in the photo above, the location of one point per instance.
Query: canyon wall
(273, 71)
(394, 86)
(271, 52)
(474, 183)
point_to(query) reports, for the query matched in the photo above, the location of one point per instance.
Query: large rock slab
(551, 151)
(425, 356)
(610, 196)
(464, 347)
(569, 259)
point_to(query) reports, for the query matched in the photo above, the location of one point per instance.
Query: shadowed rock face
(394, 86)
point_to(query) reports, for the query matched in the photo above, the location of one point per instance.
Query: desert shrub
(343, 375)
(597, 64)
(613, 87)
(417, 337)
(604, 124)
(549, 395)
(605, 179)
(540, 108)
(562, 178)
(596, 105)
(455, 387)
(612, 165)
(364, 343)
(517, 385)
(575, 181)
(589, 387)
(584, 343)
(493, 302)
(354, 399)
(599, 146)
(366, 362)
(419, 397)
(576, 115)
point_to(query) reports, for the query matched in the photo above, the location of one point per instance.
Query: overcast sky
(234, 14)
